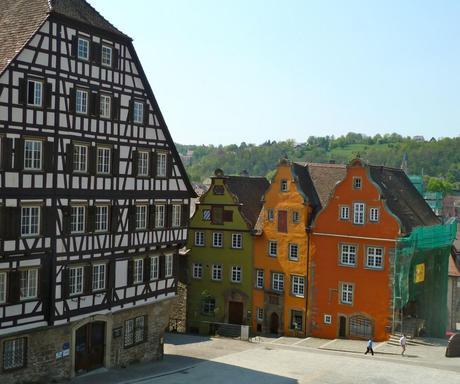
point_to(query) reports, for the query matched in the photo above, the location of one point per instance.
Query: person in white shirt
(402, 343)
(369, 347)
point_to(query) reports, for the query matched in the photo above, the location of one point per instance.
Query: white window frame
(374, 214)
(327, 319)
(3, 286)
(80, 158)
(373, 255)
(37, 93)
(160, 215)
(99, 277)
(162, 160)
(176, 215)
(260, 314)
(15, 351)
(237, 241)
(298, 285)
(141, 216)
(346, 293)
(357, 182)
(28, 284)
(102, 218)
(138, 112)
(293, 251)
(270, 214)
(83, 48)
(284, 185)
(33, 155)
(344, 212)
(77, 218)
(154, 267)
(295, 217)
(216, 272)
(76, 280)
(143, 163)
(278, 281)
(348, 254)
(106, 55)
(138, 271)
(272, 248)
(105, 106)
(169, 265)
(359, 210)
(81, 101)
(197, 270)
(236, 274)
(217, 239)
(199, 238)
(103, 159)
(260, 278)
(30, 220)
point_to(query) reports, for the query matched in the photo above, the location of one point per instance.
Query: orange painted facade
(350, 261)
(280, 254)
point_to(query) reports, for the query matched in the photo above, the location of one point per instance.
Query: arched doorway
(89, 346)
(274, 322)
(361, 326)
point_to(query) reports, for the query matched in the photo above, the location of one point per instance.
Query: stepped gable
(20, 19)
(402, 198)
(249, 191)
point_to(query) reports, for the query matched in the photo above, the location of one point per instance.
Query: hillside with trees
(438, 159)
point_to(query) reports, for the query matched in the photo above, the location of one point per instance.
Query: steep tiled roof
(19, 19)
(249, 191)
(402, 198)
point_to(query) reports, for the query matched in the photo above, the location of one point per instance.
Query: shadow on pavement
(183, 339)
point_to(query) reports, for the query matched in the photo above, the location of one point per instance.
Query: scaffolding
(421, 263)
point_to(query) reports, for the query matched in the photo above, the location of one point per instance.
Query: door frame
(339, 316)
(241, 305)
(108, 339)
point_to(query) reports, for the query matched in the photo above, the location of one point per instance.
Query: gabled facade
(94, 199)
(219, 263)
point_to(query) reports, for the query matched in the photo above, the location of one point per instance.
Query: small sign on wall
(419, 276)
(116, 332)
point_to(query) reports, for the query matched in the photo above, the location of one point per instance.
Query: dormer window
(356, 183)
(34, 93)
(83, 49)
(106, 58)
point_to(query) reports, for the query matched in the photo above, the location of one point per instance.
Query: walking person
(402, 343)
(369, 347)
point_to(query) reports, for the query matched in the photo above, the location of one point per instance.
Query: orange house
(354, 237)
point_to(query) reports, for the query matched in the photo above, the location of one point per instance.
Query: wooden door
(342, 326)
(282, 221)
(90, 347)
(274, 322)
(235, 312)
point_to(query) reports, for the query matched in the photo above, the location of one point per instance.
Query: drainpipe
(307, 307)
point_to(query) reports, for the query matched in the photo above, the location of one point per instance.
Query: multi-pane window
(217, 239)
(106, 56)
(103, 160)
(344, 212)
(296, 320)
(176, 215)
(75, 280)
(28, 283)
(105, 106)
(293, 251)
(34, 93)
(284, 185)
(270, 214)
(374, 257)
(260, 314)
(161, 164)
(277, 281)
(197, 270)
(134, 331)
(206, 214)
(138, 271)
(102, 218)
(356, 182)
(209, 305)
(141, 216)
(199, 239)
(298, 285)
(83, 49)
(259, 278)
(81, 98)
(30, 221)
(237, 240)
(138, 112)
(14, 353)
(216, 272)
(143, 163)
(236, 274)
(154, 267)
(77, 219)
(80, 158)
(358, 213)
(33, 155)
(374, 214)
(346, 293)
(327, 319)
(272, 248)
(159, 216)
(169, 261)
(295, 217)
(2, 287)
(347, 254)
(99, 277)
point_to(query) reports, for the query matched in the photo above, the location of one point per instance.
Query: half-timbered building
(94, 199)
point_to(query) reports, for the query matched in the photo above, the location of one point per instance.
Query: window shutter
(130, 111)
(115, 161)
(74, 46)
(19, 155)
(184, 215)
(44, 284)
(161, 266)
(14, 287)
(92, 160)
(94, 103)
(65, 283)
(72, 99)
(22, 94)
(147, 269)
(48, 95)
(91, 219)
(115, 108)
(3, 220)
(95, 52)
(7, 150)
(130, 277)
(131, 218)
(168, 218)
(115, 58)
(88, 279)
(12, 223)
(48, 148)
(115, 211)
(49, 221)
(152, 216)
(146, 114)
(66, 217)
(228, 215)
(135, 164)
(69, 158)
(169, 165)
(110, 282)
(176, 260)
(153, 164)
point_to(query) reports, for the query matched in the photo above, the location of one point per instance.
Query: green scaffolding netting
(421, 263)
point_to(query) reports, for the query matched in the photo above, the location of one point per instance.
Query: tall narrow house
(93, 201)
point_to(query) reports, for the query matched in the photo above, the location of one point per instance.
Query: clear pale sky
(228, 71)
